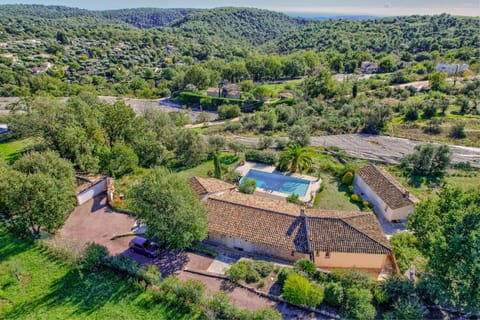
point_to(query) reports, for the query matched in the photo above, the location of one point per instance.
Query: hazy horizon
(302, 7)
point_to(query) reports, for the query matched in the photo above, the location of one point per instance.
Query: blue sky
(367, 7)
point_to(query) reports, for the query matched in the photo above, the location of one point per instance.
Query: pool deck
(311, 191)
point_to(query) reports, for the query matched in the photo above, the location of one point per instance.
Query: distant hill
(146, 17)
(412, 33)
(253, 26)
(140, 17)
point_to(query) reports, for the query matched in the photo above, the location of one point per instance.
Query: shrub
(336, 275)
(411, 114)
(264, 268)
(347, 178)
(315, 295)
(234, 127)
(358, 304)
(429, 111)
(252, 275)
(334, 294)
(265, 156)
(398, 288)
(356, 198)
(238, 271)
(367, 204)
(184, 296)
(356, 279)
(228, 111)
(282, 275)
(261, 284)
(232, 177)
(350, 189)
(248, 186)
(151, 274)
(123, 264)
(296, 289)
(305, 266)
(457, 131)
(407, 309)
(93, 256)
(293, 198)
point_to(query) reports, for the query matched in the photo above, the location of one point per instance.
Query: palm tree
(295, 158)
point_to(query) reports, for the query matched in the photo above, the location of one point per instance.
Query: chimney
(406, 194)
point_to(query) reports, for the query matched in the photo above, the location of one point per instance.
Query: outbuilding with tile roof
(388, 196)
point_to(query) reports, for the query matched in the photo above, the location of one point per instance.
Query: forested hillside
(413, 34)
(253, 26)
(146, 17)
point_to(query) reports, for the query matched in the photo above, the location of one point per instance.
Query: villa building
(286, 231)
(389, 198)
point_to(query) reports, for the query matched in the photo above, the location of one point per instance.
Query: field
(11, 150)
(457, 178)
(35, 285)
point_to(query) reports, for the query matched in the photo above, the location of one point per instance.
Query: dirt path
(380, 148)
(212, 124)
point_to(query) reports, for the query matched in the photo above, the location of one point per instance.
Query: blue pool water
(278, 182)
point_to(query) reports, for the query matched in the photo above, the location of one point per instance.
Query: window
(293, 253)
(317, 253)
(327, 255)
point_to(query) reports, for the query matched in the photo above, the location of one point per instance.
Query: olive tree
(170, 208)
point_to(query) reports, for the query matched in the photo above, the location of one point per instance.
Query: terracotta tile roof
(280, 224)
(256, 225)
(386, 187)
(202, 186)
(343, 231)
(259, 202)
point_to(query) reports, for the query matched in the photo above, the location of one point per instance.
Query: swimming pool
(277, 182)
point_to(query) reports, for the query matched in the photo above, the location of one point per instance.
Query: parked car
(144, 247)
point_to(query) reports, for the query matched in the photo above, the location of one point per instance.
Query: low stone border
(330, 315)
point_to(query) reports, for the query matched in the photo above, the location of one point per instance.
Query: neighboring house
(90, 186)
(208, 186)
(231, 91)
(389, 198)
(212, 92)
(279, 229)
(368, 67)
(452, 68)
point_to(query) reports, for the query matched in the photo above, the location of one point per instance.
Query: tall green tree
(44, 191)
(170, 208)
(428, 160)
(448, 233)
(295, 158)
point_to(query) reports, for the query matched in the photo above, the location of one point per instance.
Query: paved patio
(94, 221)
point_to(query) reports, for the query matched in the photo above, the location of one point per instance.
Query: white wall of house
(380, 207)
(247, 246)
(349, 260)
(91, 192)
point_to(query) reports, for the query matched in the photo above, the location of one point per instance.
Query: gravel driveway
(380, 148)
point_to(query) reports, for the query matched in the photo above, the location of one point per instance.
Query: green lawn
(334, 195)
(226, 160)
(33, 285)
(12, 149)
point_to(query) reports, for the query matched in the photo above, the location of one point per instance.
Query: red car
(144, 247)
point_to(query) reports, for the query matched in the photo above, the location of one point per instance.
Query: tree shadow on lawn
(11, 246)
(86, 294)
